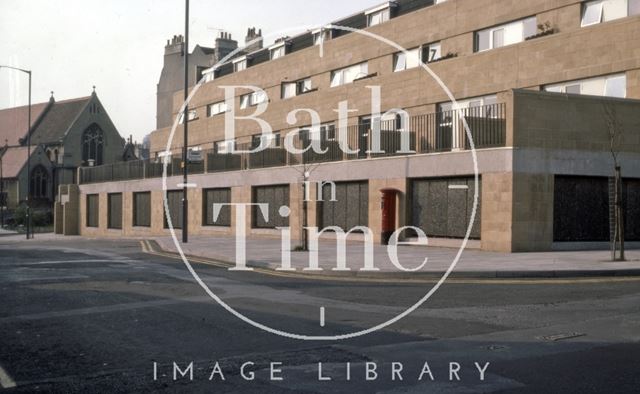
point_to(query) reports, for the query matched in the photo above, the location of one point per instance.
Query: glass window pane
(435, 52)
(484, 40)
(530, 26)
(400, 62)
(498, 38)
(413, 60)
(614, 9)
(336, 78)
(592, 13)
(573, 89)
(616, 87)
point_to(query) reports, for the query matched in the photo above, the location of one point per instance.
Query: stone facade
(547, 134)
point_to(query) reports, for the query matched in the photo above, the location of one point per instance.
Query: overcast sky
(118, 45)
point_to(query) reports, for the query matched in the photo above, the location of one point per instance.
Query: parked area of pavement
(267, 253)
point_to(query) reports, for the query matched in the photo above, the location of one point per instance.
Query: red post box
(389, 198)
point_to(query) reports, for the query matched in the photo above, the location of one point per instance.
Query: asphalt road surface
(103, 316)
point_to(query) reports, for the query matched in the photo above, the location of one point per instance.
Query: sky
(118, 45)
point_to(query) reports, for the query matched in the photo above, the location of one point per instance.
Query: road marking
(5, 380)
(458, 187)
(322, 316)
(78, 261)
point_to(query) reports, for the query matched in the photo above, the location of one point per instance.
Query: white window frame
(518, 24)
(347, 75)
(379, 14)
(225, 147)
(606, 82)
(405, 61)
(216, 108)
(599, 6)
(277, 51)
(240, 64)
(321, 36)
(193, 115)
(431, 48)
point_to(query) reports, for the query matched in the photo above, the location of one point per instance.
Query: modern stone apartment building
(537, 82)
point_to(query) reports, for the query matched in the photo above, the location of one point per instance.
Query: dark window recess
(581, 209)
(631, 204)
(275, 197)
(216, 196)
(92, 146)
(114, 211)
(142, 209)
(174, 200)
(443, 207)
(39, 182)
(93, 210)
(351, 208)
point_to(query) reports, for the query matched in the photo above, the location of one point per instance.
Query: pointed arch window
(92, 146)
(39, 182)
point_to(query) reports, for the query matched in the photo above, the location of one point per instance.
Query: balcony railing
(430, 133)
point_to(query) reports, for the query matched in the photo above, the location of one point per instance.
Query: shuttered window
(275, 197)
(114, 213)
(142, 209)
(174, 200)
(443, 207)
(93, 210)
(216, 196)
(350, 208)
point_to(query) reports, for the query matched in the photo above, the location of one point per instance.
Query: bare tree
(615, 131)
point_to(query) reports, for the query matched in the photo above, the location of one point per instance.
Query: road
(103, 316)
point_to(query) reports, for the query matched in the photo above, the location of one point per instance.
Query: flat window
(574, 89)
(278, 52)
(322, 36)
(507, 34)
(93, 210)
(114, 211)
(240, 65)
(405, 61)
(224, 147)
(303, 86)
(244, 101)
(216, 108)
(433, 52)
(269, 141)
(193, 115)
(498, 38)
(275, 197)
(142, 209)
(616, 87)
(288, 90)
(609, 86)
(378, 17)
(594, 12)
(217, 196)
(349, 74)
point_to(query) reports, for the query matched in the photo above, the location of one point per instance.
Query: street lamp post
(3, 200)
(185, 147)
(28, 72)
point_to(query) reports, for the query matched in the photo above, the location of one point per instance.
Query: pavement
(266, 254)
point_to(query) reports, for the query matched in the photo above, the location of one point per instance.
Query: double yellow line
(148, 248)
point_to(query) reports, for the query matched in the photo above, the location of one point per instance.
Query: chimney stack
(253, 35)
(224, 45)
